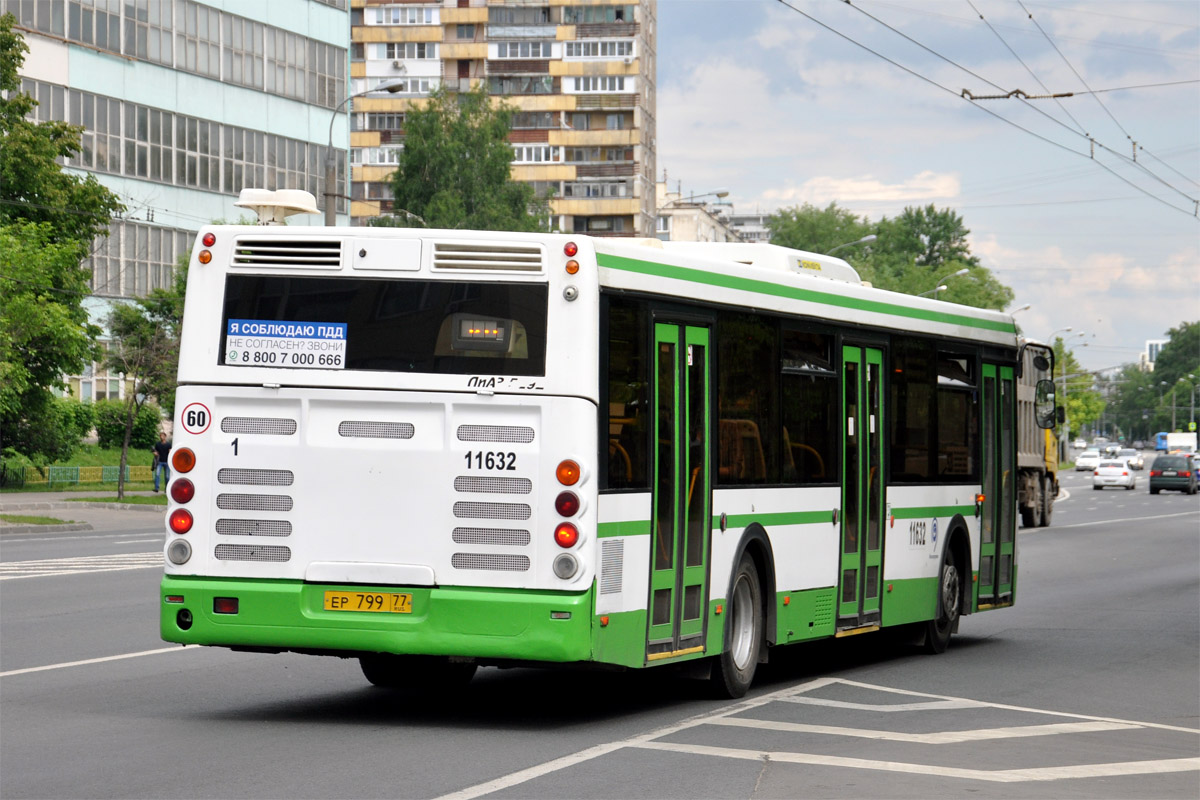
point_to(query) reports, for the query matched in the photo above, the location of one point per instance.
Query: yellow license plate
(387, 602)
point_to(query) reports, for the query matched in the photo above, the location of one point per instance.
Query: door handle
(834, 520)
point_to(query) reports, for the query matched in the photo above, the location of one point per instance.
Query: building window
(512, 50)
(402, 50)
(518, 16)
(403, 15)
(600, 83)
(600, 48)
(464, 32)
(520, 84)
(534, 120)
(535, 154)
(577, 15)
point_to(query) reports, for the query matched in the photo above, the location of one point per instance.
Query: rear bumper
(290, 615)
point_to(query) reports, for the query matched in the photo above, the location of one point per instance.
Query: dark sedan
(1173, 472)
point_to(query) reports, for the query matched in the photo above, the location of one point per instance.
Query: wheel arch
(958, 540)
(754, 540)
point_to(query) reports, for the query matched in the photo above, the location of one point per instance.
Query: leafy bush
(110, 425)
(15, 468)
(50, 433)
(81, 416)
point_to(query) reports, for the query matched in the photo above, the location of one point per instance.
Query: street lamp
(1025, 307)
(870, 237)
(1067, 420)
(391, 87)
(941, 287)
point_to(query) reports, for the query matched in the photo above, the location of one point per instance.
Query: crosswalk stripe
(941, 737)
(49, 567)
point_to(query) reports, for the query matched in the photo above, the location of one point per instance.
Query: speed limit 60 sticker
(195, 418)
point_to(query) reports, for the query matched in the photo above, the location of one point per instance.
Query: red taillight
(566, 535)
(1096, 474)
(567, 473)
(183, 460)
(1185, 474)
(225, 605)
(570, 249)
(182, 490)
(209, 239)
(1124, 473)
(181, 520)
(567, 504)
(1155, 473)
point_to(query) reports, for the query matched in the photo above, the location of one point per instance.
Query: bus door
(861, 556)
(997, 536)
(681, 516)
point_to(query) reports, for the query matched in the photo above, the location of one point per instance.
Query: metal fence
(16, 477)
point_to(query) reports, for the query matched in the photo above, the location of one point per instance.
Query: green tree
(1180, 355)
(33, 186)
(819, 230)
(44, 328)
(1133, 402)
(48, 221)
(455, 168)
(1083, 403)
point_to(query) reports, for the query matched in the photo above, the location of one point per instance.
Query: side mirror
(1044, 408)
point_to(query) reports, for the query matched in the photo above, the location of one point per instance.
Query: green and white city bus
(432, 450)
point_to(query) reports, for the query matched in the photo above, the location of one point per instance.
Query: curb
(45, 506)
(77, 526)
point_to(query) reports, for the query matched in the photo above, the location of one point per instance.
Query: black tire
(949, 605)
(1098, 488)
(1048, 494)
(1027, 520)
(734, 671)
(1154, 491)
(416, 673)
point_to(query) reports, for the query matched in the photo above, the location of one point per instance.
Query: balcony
(519, 67)
(607, 30)
(583, 101)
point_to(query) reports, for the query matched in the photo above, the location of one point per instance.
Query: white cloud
(820, 190)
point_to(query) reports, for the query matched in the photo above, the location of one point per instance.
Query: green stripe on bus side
(924, 512)
(793, 293)
(629, 527)
(781, 518)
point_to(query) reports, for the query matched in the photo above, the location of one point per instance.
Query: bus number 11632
(482, 460)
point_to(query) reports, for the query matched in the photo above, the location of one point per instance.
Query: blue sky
(756, 98)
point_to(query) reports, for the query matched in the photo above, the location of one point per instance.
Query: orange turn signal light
(568, 473)
(572, 267)
(183, 460)
(204, 257)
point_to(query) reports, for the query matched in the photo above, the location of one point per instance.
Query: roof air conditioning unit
(628, 59)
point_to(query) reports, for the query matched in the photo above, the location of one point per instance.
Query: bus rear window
(447, 327)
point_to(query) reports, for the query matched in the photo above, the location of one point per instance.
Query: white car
(1088, 459)
(1132, 457)
(1113, 472)
(1080, 444)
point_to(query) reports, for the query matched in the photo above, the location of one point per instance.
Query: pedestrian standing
(161, 450)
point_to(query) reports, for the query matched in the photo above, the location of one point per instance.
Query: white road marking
(42, 568)
(648, 741)
(935, 705)
(993, 776)
(942, 737)
(99, 660)
(1127, 519)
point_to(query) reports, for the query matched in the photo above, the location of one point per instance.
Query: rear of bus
(385, 442)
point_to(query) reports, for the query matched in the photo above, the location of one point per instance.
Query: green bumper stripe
(794, 293)
(782, 518)
(924, 512)
(636, 527)
(483, 623)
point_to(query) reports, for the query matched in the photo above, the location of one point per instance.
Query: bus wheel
(938, 630)
(416, 673)
(1048, 494)
(734, 670)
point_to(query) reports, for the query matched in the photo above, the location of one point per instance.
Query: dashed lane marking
(98, 660)
(47, 567)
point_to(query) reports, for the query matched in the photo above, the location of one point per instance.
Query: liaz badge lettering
(285, 343)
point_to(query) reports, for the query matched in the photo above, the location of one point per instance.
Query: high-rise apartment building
(183, 104)
(579, 72)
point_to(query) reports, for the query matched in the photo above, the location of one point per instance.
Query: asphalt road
(1089, 687)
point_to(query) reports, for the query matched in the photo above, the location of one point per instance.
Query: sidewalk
(85, 516)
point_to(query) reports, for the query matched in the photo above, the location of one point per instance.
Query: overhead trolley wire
(1003, 119)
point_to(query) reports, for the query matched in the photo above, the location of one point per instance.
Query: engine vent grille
(471, 483)
(492, 536)
(254, 527)
(495, 433)
(491, 511)
(612, 564)
(254, 502)
(376, 430)
(262, 425)
(250, 251)
(252, 552)
(256, 477)
(490, 561)
(469, 255)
